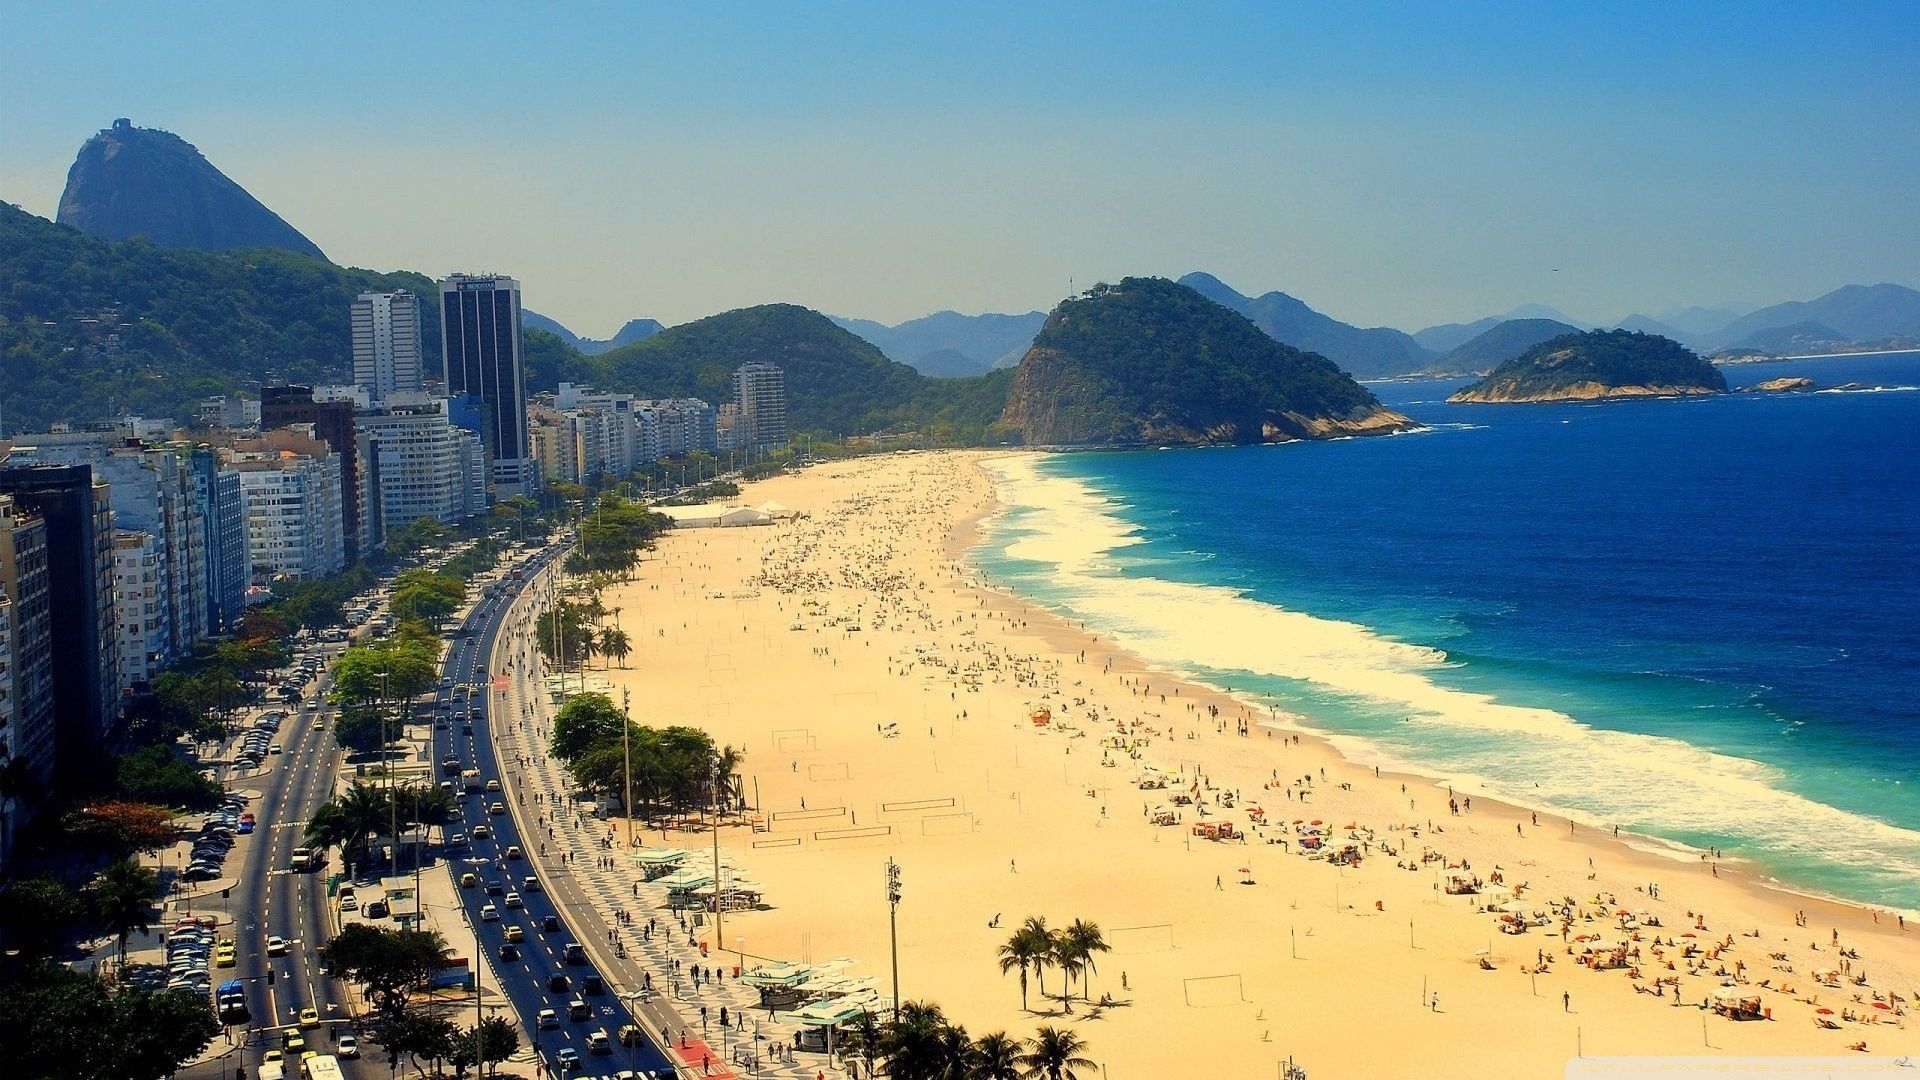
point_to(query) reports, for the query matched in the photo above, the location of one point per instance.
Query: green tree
(918, 1043)
(615, 645)
(1082, 940)
(1053, 1054)
(1021, 952)
(388, 964)
(35, 914)
(122, 899)
(498, 1040)
(996, 1057)
(585, 721)
(1037, 944)
(155, 774)
(396, 668)
(364, 729)
(120, 828)
(425, 595)
(54, 1023)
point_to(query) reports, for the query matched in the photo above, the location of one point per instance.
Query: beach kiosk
(656, 863)
(778, 984)
(683, 886)
(1736, 1003)
(819, 1021)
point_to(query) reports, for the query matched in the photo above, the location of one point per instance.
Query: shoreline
(887, 546)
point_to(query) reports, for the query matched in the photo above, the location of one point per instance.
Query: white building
(386, 343)
(423, 466)
(141, 605)
(290, 482)
(761, 392)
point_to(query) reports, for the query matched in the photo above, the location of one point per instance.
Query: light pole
(893, 927)
(626, 753)
(719, 901)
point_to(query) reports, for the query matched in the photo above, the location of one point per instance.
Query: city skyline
(1400, 168)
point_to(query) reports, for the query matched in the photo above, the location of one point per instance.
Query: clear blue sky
(1389, 164)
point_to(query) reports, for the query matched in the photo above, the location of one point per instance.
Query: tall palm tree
(1039, 941)
(123, 900)
(1053, 1054)
(726, 766)
(917, 1044)
(1060, 949)
(996, 1057)
(1084, 939)
(614, 644)
(1019, 952)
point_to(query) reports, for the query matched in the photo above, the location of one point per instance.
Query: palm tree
(1019, 952)
(614, 644)
(1084, 939)
(1053, 1054)
(726, 764)
(123, 899)
(996, 1057)
(862, 1040)
(918, 1044)
(1061, 949)
(1039, 943)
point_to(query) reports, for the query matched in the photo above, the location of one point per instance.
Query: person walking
(1566, 1001)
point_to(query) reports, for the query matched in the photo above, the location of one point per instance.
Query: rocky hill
(1598, 364)
(1364, 353)
(130, 181)
(1858, 315)
(1151, 362)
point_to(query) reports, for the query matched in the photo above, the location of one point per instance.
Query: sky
(1390, 164)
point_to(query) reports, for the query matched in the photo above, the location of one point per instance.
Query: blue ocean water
(1698, 620)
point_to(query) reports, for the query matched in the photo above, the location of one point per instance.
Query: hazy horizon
(1401, 169)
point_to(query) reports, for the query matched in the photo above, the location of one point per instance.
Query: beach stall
(819, 1021)
(683, 886)
(656, 863)
(778, 984)
(1736, 1003)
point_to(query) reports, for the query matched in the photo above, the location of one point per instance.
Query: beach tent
(714, 516)
(656, 863)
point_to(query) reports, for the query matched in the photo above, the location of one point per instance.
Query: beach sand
(883, 696)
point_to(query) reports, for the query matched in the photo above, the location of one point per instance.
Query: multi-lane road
(531, 980)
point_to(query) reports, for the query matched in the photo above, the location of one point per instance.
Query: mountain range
(634, 330)
(947, 344)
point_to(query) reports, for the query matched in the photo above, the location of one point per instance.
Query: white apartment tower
(386, 343)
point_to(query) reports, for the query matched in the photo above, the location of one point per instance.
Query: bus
(324, 1067)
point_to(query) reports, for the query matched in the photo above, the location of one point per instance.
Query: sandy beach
(885, 698)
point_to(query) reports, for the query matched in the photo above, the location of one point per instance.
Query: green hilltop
(1150, 361)
(1598, 364)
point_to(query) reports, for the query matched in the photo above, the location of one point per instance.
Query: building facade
(481, 362)
(142, 606)
(332, 421)
(427, 467)
(290, 482)
(761, 392)
(386, 343)
(223, 516)
(26, 684)
(82, 628)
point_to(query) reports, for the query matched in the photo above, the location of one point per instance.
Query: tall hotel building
(386, 343)
(761, 392)
(480, 349)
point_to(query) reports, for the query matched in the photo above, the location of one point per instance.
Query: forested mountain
(1362, 353)
(947, 344)
(634, 330)
(1598, 364)
(1150, 361)
(129, 181)
(93, 328)
(1502, 342)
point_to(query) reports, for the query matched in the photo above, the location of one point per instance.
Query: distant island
(1596, 365)
(1151, 362)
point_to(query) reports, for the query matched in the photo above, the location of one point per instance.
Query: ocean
(1697, 620)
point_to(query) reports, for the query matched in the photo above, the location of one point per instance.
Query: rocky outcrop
(1781, 386)
(1595, 366)
(1580, 391)
(130, 181)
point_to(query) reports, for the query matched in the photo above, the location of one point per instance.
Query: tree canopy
(57, 1022)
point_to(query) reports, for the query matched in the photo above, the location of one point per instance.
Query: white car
(347, 1047)
(276, 946)
(488, 914)
(513, 900)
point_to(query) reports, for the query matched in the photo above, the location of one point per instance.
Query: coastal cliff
(1150, 362)
(1594, 366)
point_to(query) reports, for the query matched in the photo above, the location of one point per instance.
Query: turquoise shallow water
(1697, 620)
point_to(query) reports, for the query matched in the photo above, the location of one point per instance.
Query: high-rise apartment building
(480, 356)
(291, 483)
(386, 343)
(427, 466)
(79, 557)
(142, 605)
(26, 683)
(285, 406)
(223, 515)
(761, 392)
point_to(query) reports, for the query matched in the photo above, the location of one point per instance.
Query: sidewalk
(519, 723)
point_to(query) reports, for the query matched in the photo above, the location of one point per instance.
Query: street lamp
(893, 926)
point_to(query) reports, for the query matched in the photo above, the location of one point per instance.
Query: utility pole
(719, 901)
(626, 752)
(893, 927)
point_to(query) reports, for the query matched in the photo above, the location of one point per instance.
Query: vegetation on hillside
(1605, 358)
(1149, 360)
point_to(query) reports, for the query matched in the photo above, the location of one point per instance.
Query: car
(558, 984)
(246, 828)
(567, 1058)
(497, 808)
(483, 831)
(200, 873)
(530, 884)
(468, 881)
(349, 903)
(513, 900)
(579, 1010)
(574, 953)
(488, 913)
(456, 839)
(494, 888)
(516, 935)
(375, 910)
(599, 1043)
(509, 953)
(514, 852)
(273, 1057)
(347, 1046)
(550, 923)
(276, 945)
(493, 786)
(225, 956)
(292, 1041)
(309, 1017)
(275, 749)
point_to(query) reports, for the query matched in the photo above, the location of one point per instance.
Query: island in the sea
(1151, 362)
(1598, 364)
